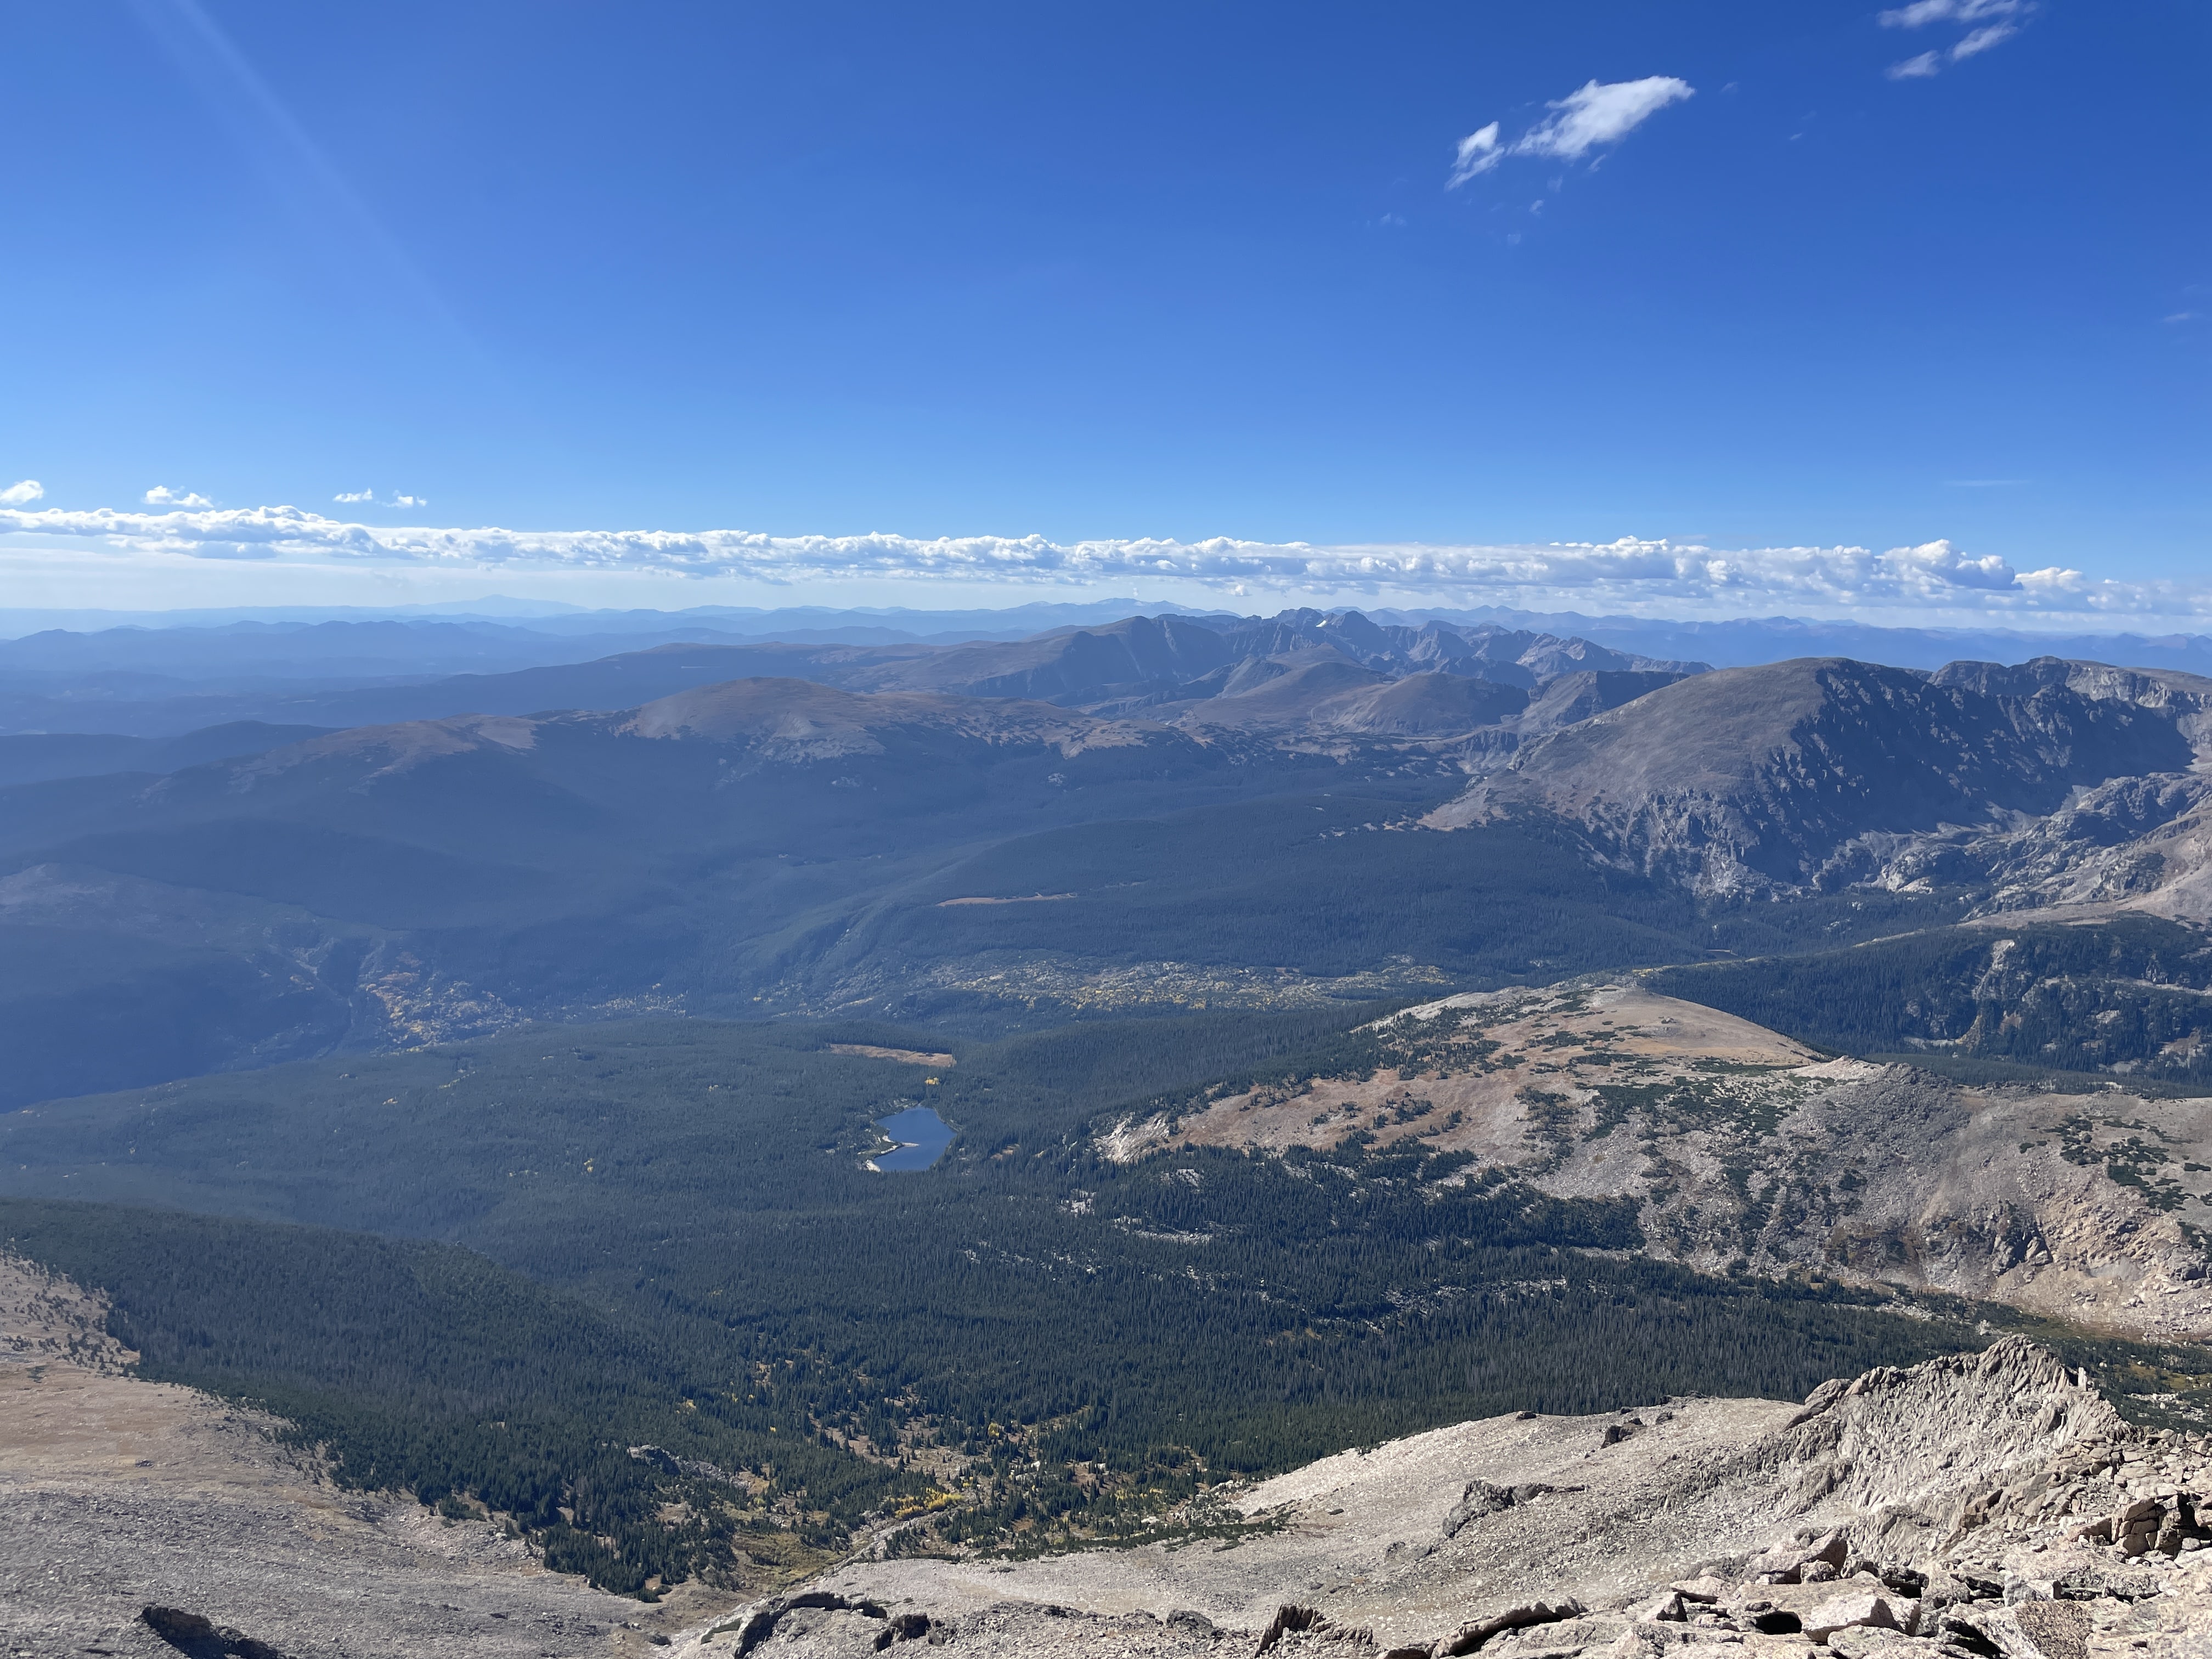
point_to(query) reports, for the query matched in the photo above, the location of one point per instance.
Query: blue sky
(1084, 273)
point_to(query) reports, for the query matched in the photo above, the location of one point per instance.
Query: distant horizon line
(514, 612)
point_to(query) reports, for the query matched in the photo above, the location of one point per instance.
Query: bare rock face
(1768, 779)
(1897, 1439)
(1988, 1506)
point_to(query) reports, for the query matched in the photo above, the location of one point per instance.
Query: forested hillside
(2131, 996)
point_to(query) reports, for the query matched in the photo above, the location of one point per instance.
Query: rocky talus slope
(1983, 1505)
(1739, 1146)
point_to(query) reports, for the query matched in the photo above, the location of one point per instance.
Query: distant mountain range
(552, 617)
(459, 636)
(770, 828)
(186, 679)
(161, 674)
(1748, 642)
(1157, 812)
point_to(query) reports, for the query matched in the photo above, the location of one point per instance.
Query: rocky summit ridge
(1982, 1506)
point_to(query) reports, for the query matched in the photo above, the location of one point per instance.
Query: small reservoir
(922, 1137)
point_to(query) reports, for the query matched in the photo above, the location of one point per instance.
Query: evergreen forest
(2126, 995)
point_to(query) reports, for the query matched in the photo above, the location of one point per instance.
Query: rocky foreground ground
(1988, 1505)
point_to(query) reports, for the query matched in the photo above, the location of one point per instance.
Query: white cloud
(162, 495)
(1597, 113)
(16, 494)
(1994, 22)
(1477, 154)
(1656, 576)
(353, 497)
(1601, 114)
(1921, 12)
(1996, 35)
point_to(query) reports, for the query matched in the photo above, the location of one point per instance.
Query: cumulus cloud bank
(162, 495)
(1629, 573)
(1597, 113)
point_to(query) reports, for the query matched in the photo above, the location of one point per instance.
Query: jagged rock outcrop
(1894, 1436)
